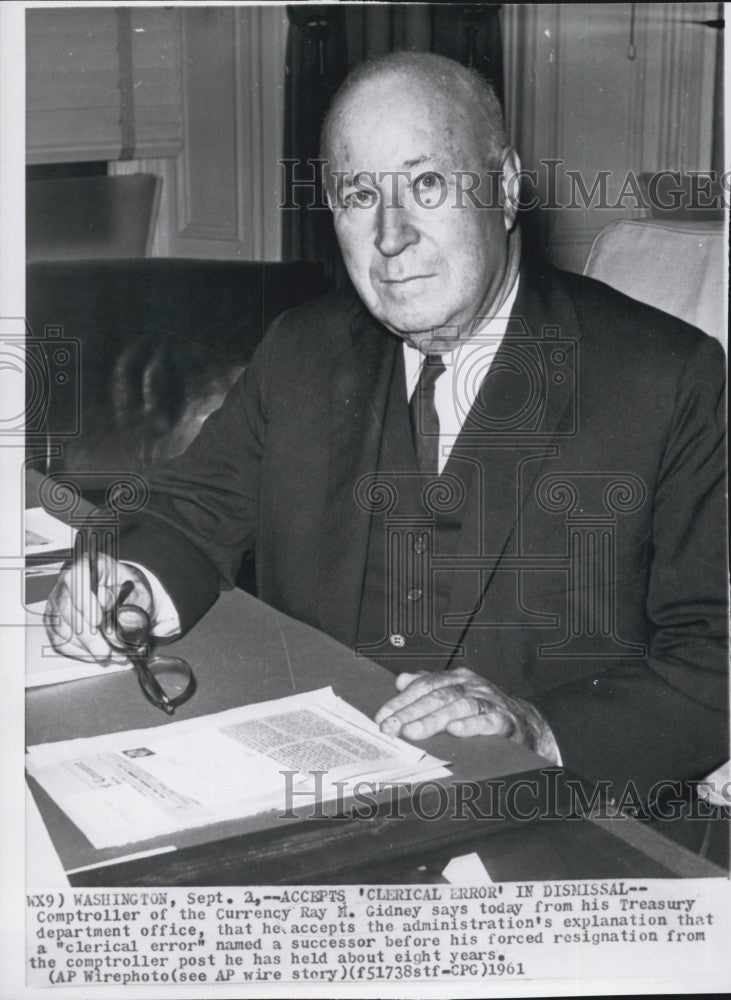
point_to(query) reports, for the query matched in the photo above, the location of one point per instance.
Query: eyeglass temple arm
(139, 662)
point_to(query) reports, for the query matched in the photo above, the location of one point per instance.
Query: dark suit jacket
(598, 471)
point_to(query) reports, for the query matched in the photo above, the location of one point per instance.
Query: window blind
(102, 83)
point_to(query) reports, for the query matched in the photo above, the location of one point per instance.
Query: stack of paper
(143, 783)
(45, 665)
(48, 543)
(45, 534)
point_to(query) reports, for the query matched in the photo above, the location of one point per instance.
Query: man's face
(427, 262)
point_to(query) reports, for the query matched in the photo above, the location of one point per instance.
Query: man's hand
(77, 620)
(462, 703)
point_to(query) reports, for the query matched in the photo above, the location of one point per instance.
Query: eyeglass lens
(168, 674)
(166, 681)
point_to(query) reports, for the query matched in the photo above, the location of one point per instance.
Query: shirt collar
(489, 335)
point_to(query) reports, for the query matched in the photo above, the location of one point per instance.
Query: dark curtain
(467, 33)
(325, 42)
(316, 65)
(717, 148)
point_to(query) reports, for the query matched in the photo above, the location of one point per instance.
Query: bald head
(470, 99)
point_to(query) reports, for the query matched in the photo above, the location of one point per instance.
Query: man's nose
(396, 230)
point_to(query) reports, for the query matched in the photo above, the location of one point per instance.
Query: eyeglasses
(166, 681)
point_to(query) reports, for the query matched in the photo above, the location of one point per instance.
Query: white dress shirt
(466, 367)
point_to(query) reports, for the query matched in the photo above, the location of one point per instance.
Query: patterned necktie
(423, 412)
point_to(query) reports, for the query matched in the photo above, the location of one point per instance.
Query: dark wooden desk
(244, 652)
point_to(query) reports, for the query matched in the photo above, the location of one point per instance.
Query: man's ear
(510, 186)
(333, 186)
(329, 195)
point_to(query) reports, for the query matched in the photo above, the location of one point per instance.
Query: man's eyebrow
(347, 177)
(418, 160)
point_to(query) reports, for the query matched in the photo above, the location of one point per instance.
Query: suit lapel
(517, 416)
(360, 382)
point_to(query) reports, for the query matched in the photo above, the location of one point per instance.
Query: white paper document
(44, 665)
(44, 533)
(130, 786)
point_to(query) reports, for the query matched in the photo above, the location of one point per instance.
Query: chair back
(77, 218)
(678, 267)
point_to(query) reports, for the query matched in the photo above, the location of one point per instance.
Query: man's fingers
(72, 609)
(403, 680)
(501, 716)
(113, 575)
(76, 601)
(438, 720)
(85, 644)
(415, 687)
(459, 702)
(77, 616)
(493, 722)
(92, 649)
(430, 713)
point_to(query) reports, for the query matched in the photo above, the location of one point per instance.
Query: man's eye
(361, 198)
(430, 189)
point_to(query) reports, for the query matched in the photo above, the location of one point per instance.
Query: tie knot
(431, 369)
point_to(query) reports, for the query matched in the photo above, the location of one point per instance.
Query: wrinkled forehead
(398, 121)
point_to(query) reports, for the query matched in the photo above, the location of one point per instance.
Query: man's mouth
(406, 280)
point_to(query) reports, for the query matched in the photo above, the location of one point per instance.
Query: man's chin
(429, 341)
(414, 330)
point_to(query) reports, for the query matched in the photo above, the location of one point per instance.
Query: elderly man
(502, 482)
